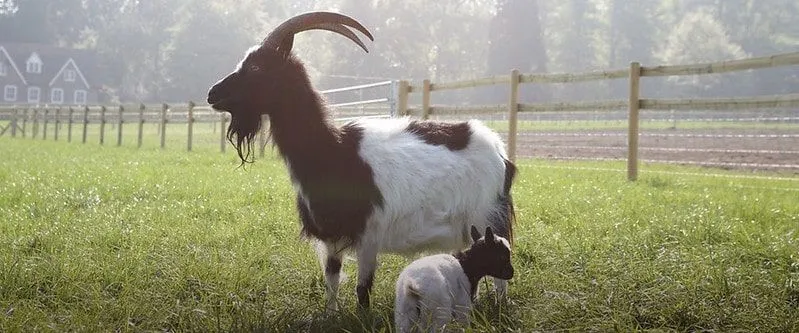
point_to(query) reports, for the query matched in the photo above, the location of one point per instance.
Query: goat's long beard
(242, 132)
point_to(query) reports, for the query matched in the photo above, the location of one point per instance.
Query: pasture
(103, 238)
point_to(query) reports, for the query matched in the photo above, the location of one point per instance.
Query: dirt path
(728, 149)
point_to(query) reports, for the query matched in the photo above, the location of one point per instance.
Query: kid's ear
(475, 234)
(489, 234)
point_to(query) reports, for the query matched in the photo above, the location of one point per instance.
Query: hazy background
(173, 50)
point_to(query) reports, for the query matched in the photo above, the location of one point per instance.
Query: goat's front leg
(501, 287)
(367, 263)
(331, 263)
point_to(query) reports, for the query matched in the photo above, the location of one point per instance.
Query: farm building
(42, 74)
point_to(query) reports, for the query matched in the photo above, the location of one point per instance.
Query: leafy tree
(699, 37)
(30, 20)
(516, 42)
(209, 39)
(168, 50)
(572, 45)
(8, 7)
(414, 39)
(763, 28)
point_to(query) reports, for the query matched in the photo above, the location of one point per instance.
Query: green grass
(100, 238)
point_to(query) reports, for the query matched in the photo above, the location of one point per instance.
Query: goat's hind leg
(331, 265)
(367, 264)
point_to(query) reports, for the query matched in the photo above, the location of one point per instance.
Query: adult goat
(370, 186)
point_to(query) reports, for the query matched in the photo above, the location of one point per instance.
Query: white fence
(129, 122)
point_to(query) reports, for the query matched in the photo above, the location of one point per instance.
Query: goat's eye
(255, 68)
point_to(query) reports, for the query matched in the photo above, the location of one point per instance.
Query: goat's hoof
(331, 307)
(363, 297)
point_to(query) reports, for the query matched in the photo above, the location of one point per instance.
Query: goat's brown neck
(466, 259)
(302, 127)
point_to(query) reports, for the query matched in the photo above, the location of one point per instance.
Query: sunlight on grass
(99, 238)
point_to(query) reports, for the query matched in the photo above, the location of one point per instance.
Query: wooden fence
(33, 121)
(633, 104)
(189, 113)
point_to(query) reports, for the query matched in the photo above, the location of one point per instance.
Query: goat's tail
(407, 310)
(507, 216)
(511, 217)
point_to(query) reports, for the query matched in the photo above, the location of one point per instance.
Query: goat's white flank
(432, 195)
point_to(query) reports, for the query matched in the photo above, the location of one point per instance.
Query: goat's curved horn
(329, 21)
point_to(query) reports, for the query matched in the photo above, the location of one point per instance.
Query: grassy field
(103, 238)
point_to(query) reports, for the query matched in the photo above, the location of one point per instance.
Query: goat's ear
(489, 234)
(286, 46)
(475, 234)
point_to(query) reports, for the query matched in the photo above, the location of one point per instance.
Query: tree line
(173, 50)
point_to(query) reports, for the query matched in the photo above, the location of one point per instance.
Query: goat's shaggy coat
(370, 186)
(434, 290)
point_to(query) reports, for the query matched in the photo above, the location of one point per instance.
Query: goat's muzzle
(217, 99)
(214, 95)
(507, 273)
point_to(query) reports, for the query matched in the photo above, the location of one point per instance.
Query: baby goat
(434, 290)
(372, 185)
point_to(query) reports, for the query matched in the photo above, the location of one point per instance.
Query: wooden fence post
(44, 124)
(69, 124)
(191, 125)
(85, 121)
(57, 123)
(632, 131)
(164, 108)
(222, 121)
(263, 135)
(35, 126)
(141, 124)
(402, 98)
(25, 116)
(513, 112)
(426, 99)
(102, 125)
(120, 122)
(14, 122)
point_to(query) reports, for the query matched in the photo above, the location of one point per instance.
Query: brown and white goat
(371, 185)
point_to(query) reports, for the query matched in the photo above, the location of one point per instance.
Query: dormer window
(69, 75)
(34, 64)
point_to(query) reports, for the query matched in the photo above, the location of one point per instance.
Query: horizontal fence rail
(777, 60)
(759, 102)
